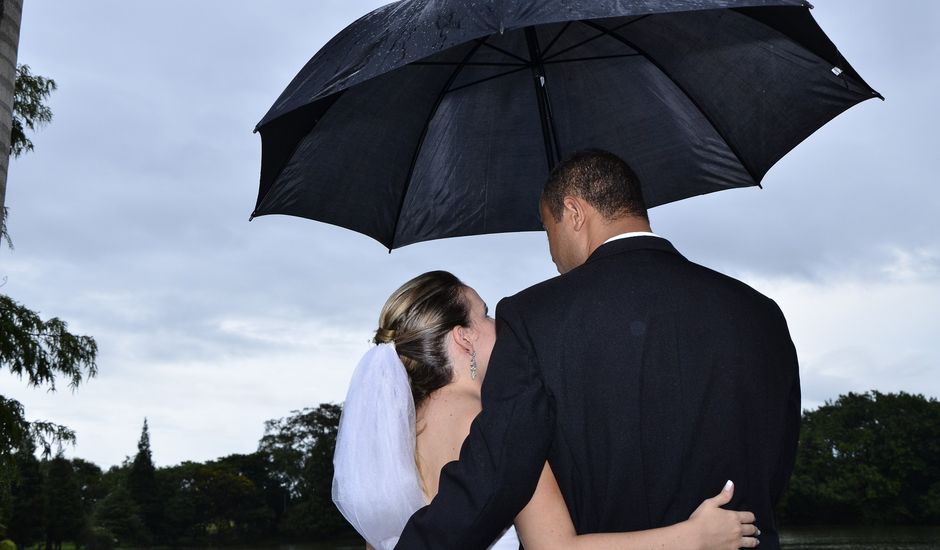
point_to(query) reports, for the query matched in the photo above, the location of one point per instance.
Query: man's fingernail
(758, 532)
(729, 485)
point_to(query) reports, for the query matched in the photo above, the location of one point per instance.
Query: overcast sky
(130, 221)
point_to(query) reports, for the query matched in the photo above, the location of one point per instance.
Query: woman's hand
(718, 528)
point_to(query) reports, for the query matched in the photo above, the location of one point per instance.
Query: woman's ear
(462, 338)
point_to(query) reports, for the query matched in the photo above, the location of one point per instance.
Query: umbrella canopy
(439, 118)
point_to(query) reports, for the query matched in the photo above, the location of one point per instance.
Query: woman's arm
(545, 524)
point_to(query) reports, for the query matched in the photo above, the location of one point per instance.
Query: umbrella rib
(557, 36)
(482, 80)
(470, 64)
(505, 52)
(593, 38)
(592, 58)
(613, 34)
(424, 133)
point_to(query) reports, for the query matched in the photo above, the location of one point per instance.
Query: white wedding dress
(375, 479)
(509, 541)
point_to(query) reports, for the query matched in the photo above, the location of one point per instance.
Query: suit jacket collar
(633, 243)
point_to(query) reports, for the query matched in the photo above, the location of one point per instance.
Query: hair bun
(384, 336)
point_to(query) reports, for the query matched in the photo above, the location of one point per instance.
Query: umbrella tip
(251, 216)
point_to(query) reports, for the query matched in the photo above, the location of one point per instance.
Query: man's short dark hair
(599, 177)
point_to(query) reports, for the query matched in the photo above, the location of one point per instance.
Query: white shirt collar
(631, 234)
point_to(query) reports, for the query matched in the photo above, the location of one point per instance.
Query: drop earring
(473, 365)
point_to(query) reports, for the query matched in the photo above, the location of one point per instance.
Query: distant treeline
(867, 459)
(281, 492)
(863, 459)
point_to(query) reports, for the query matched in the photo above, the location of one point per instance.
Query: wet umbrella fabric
(438, 118)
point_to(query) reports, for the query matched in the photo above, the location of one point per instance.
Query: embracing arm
(502, 457)
(545, 524)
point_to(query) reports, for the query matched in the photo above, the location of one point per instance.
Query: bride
(410, 405)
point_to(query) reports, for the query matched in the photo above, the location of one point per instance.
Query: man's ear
(575, 208)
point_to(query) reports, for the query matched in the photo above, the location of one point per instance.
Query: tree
(237, 507)
(259, 507)
(26, 524)
(90, 482)
(142, 483)
(64, 515)
(299, 450)
(40, 351)
(29, 108)
(214, 502)
(29, 111)
(869, 458)
(186, 505)
(117, 514)
(22, 106)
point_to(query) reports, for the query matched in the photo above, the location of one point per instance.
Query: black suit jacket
(646, 381)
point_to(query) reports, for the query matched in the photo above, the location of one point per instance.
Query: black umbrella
(439, 118)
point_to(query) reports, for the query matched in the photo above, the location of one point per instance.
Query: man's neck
(617, 227)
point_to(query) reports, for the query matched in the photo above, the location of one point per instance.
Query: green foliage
(142, 484)
(274, 497)
(27, 515)
(29, 107)
(65, 519)
(868, 458)
(288, 443)
(13, 430)
(117, 513)
(7, 545)
(186, 508)
(281, 492)
(299, 450)
(40, 351)
(213, 502)
(91, 483)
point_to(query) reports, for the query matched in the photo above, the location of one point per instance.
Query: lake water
(862, 538)
(815, 538)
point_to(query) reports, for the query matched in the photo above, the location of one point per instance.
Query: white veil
(375, 479)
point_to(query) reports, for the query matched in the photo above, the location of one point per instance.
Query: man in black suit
(644, 379)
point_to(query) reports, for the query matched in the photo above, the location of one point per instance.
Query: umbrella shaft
(549, 136)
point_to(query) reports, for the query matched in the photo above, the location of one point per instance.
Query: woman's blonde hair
(417, 318)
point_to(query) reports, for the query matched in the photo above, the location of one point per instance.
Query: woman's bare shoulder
(446, 416)
(448, 408)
